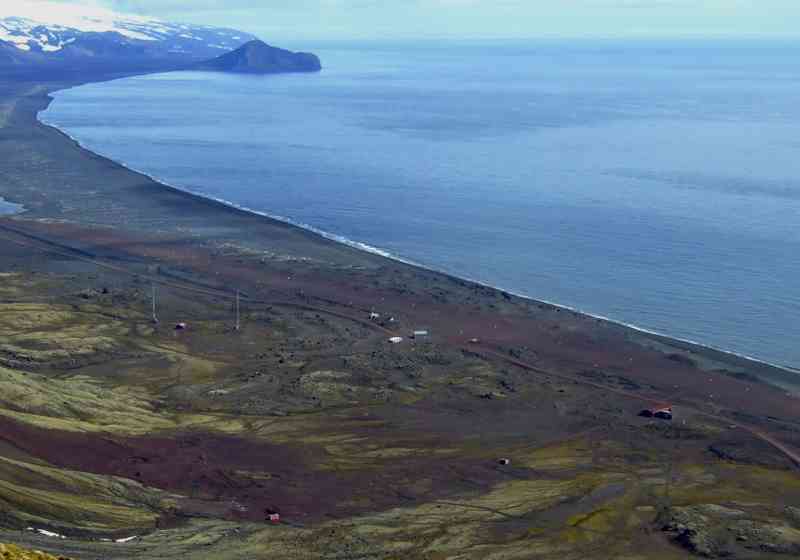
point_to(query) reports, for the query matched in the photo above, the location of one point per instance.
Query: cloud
(57, 11)
(359, 19)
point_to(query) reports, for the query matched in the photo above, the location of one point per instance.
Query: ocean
(653, 183)
(7, 208)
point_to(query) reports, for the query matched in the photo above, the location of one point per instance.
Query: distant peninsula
(257, 57)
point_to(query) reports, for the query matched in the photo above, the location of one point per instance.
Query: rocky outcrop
(694, 528)
(793, 514)
(11, 552)
(714, 531)
(257, 57)
(766, 537)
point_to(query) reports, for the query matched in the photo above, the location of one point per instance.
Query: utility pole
(155, 317)
(238, 316)
(675, 432)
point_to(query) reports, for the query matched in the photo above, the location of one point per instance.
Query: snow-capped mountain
(41, 32)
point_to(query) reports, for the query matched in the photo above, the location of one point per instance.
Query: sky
(476, 19)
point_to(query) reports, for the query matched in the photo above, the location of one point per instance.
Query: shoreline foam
(388, 255)
(9, 208)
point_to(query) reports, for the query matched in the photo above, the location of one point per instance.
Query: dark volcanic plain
(114, 427)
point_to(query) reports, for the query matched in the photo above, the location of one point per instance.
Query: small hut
(664, 413)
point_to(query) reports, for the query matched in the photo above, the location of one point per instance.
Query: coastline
(693, 346)
(221, 223)
(283, 219)
(27, 112)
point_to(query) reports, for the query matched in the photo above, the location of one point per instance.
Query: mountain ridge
(43, 37)
(63, 43)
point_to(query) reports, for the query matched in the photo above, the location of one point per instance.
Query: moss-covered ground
(179, 442)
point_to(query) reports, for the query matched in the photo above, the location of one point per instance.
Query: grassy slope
(11, 552)
(592, 494)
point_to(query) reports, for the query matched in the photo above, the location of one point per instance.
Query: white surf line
(277, 217)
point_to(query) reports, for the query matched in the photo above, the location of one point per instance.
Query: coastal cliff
(257, 57)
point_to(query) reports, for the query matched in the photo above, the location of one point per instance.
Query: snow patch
(127, 540)
(84, 18)
(46, 533)
(49, 25)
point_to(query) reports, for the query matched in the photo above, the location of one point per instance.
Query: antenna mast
(238, 315)
(155, 317)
